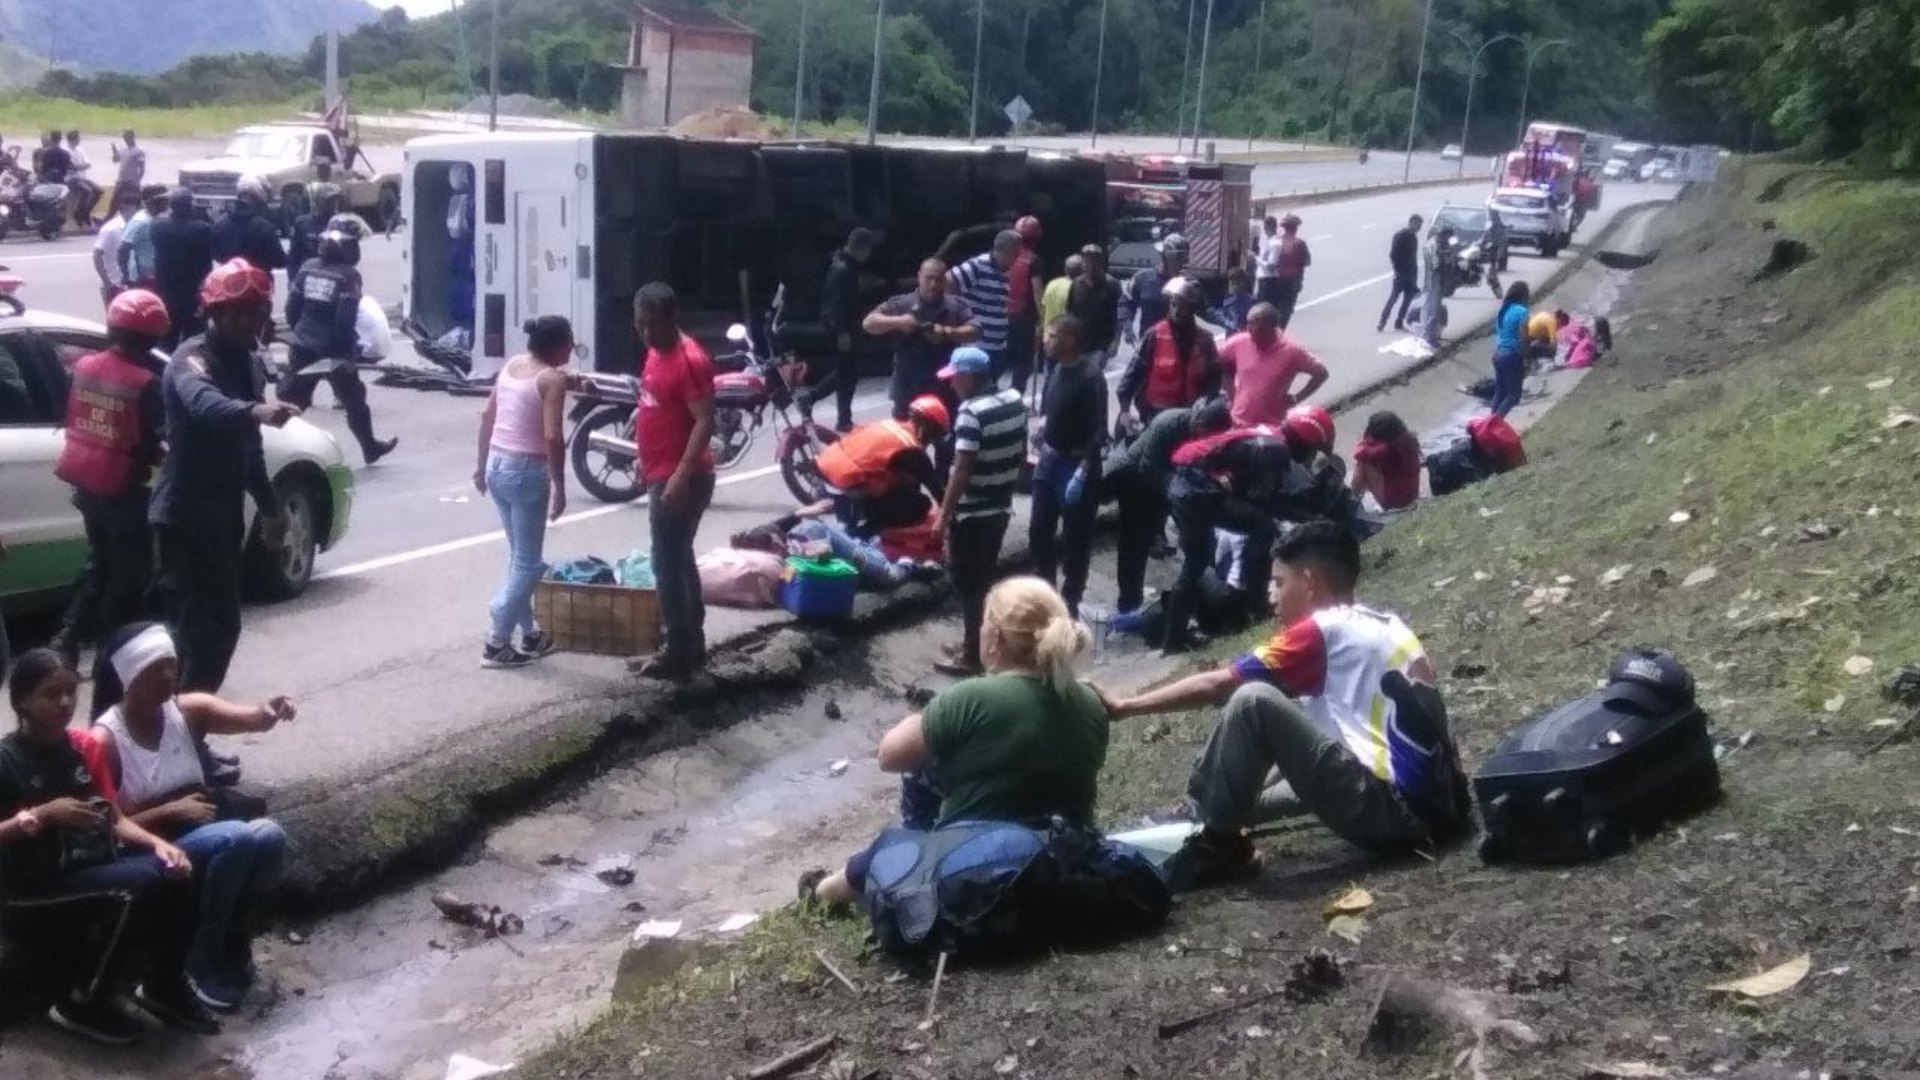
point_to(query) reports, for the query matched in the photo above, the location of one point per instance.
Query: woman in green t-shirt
(1023, 743)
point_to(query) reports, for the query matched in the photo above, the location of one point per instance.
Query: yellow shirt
(1053, 301)
(1543, 328)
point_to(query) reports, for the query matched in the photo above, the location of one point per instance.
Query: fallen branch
(933, 999)
(1181, 1027)
(1899, 734)
(795, 1060)
(836, 973)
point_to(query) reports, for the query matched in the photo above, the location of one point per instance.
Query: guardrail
(1265, 204)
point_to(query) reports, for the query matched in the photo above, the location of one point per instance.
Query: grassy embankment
(28, 112)
(1764, 406)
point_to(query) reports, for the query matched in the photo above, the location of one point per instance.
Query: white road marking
(1338, 293)
(1317, 239)
(368, 566)
(1369, 225)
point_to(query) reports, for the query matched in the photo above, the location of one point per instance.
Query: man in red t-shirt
(1262, 363)
(1290, 261)
(1024, 285)
(674, 426)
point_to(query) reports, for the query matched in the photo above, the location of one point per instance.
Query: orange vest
(1171, 382)
(104, 453)
(861, 461)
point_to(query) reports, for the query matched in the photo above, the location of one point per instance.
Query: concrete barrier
(1266, 204)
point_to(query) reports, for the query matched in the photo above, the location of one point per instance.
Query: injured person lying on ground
(1340, 704)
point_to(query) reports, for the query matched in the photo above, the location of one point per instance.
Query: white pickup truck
(289, 157)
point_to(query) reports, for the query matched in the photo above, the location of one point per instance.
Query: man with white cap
(989, 446)
(1146, 293)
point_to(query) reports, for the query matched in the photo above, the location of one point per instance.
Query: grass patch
(1759, 411)
(35, 112)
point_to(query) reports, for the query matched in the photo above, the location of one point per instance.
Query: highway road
(383, 649)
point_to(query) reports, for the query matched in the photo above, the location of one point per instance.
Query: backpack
(986, 889)
(1584, 780)
(1457, 466)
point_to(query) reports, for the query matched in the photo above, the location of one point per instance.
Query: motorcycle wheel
(607, 476)
(797, 465)
(732, 437)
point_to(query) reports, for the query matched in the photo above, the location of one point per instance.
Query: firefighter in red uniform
(114, 432)
(1176, 363)
(1238, 480)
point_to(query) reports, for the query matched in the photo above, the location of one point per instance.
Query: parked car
(1533, 219)
(46, 542)
(1452, 152)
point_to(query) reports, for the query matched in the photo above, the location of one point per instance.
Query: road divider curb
(1265, 204)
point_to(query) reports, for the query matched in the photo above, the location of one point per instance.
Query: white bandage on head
(148, 647)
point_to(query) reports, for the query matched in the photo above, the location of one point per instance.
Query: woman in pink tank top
(523, 466)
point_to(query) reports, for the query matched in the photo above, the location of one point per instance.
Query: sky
(417, 8)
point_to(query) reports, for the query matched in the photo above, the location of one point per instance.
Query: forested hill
(1739, 72)
(150, 36)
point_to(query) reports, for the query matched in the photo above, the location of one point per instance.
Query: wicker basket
(607, 619)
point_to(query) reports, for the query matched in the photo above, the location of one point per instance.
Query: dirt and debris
(726, 122)
(489, 919)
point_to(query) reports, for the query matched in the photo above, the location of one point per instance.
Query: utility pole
(1419, 76)
(1200, 84)
(1473, 74)
(973, 103)
(1099, 69)
(873, 91)
(493, 72)
(1186, 67)
(1259, 44)
(332, 94)
(466, 58)
(800, 69)
(1534, 49)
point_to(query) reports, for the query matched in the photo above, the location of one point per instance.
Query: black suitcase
(1586, 779)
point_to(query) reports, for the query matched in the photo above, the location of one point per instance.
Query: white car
(1452, 152)
(1533, 219)
(46, 543)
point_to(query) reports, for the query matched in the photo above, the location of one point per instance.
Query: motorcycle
(1469, 266)
(750, 390)
(46, 210)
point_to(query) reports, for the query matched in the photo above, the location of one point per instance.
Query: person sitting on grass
(147, 740)
(85, 884)
(1023, 743)
(1339, 701)
(1386, 464)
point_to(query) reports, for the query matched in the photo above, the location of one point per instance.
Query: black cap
(1650, 680)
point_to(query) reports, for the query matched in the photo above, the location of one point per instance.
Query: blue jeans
(876, 570)
(1509, 376)
(237, 863)
(519, 484)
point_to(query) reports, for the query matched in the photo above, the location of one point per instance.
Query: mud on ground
(1764, 405)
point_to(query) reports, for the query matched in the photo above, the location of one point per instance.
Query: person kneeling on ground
(1023, 743)
(1340, 701)
(85, 884)
(1138, 475)
(1386, 464)
(155, 777)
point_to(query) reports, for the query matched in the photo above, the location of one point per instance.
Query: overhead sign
(1019, 111)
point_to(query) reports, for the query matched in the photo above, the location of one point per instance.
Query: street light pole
(1186, 68)
(800, 69)
(1259, 43)
(973, 103)
(1473, 73)
(1099, 69)
(873, 91)
(1534, 49)
(493, 72)
(1419, 76)
(1200, 85)
(332, 93)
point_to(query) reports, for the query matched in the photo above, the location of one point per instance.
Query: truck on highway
(1208, 203)
(290, 157)
(507, 226)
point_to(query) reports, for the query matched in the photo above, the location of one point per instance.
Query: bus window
(496, 194)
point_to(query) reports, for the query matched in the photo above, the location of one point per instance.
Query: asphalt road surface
(383, 650)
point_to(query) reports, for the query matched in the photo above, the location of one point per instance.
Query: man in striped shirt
(989, 445)
(981, 282)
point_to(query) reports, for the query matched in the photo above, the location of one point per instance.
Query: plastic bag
(636, 571)
(735, 577)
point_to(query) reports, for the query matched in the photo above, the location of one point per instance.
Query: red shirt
(670, 383)
(1020, 284)
(1399, 465)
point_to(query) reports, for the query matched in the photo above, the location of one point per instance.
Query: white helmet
(253, 189)
(1182, 287)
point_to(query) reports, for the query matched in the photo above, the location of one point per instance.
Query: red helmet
(1308, 427)
(139, 312)
(236, 281)
(1028, 227)
(930, 408)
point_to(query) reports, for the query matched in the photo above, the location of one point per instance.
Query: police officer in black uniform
(323, 305)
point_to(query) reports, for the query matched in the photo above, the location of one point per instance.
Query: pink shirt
(1262, 379)
(519, 423)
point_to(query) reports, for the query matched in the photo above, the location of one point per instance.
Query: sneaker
(1208, 858)
(955, 667)
(177, 1008)
(504, 656)
(537, 644)
(216, 990)
(809, 888)
(96, 1020)
(670, 668)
